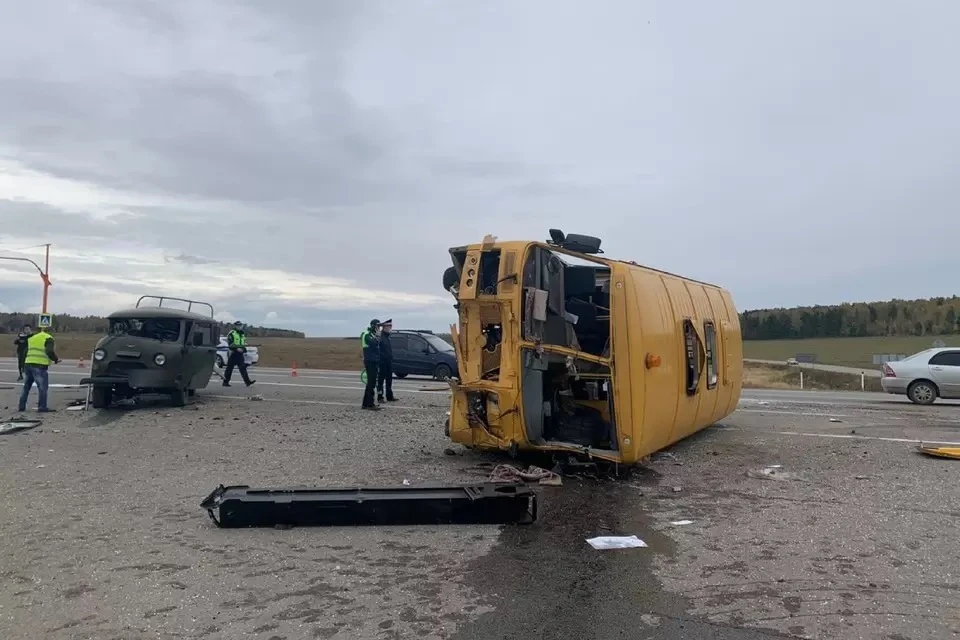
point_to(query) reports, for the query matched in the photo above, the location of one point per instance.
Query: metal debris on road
(772, 473)
(835, 420)
(509, 473)
(14, 426)
(616, 542)
(241, 506)
(255, 397)
(952, 453)
(680, 523)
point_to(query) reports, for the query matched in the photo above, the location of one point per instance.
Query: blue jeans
(40, 375)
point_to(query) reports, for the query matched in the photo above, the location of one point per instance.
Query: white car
(252, 356)
(924, 376)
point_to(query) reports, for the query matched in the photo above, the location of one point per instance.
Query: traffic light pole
(44, 274)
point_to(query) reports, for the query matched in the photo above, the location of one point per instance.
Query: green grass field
(851, 352)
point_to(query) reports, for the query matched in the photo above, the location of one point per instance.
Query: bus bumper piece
(241, 506)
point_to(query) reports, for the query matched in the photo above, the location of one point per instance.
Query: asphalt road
(852, 536)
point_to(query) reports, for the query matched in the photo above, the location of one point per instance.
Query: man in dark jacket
(370, 342)
(385, 378)
(21, 344)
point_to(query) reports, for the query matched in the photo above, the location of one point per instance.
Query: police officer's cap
(387, 321)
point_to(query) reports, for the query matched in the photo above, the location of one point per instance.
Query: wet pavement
(853, 535)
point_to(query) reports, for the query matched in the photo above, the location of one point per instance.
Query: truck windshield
(163, 329)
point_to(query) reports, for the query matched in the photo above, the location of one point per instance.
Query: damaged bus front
(561, 349)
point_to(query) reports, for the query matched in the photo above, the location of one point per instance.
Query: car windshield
(438, 343)
(163, 329)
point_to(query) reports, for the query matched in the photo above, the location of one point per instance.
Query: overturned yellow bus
(563, 350)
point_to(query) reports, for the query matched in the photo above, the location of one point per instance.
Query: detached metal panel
(241, 506)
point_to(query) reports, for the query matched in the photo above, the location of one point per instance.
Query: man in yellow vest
(36, 365)
(237, 344)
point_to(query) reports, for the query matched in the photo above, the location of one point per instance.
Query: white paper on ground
(681, 522)
(616, 542)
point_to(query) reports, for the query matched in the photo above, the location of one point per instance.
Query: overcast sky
(307, 163)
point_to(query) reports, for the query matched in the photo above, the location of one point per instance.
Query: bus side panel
(625, 332)
(729, 357)
(733, 344)
(654, 390)
(707, 408)
(688, 407)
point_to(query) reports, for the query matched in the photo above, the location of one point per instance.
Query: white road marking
(323, 402)
(845, 436)
(794, 413)
(330, 386)
(358, 387)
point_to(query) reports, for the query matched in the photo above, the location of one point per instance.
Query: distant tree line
(65, 323)
(923, 317)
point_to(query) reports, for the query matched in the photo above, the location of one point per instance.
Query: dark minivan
(420, 352)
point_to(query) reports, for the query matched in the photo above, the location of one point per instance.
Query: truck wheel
(101, 397)
(922, 392)
(179, 397)
(192, 392)
(442, 372)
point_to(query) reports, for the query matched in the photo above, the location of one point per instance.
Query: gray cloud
(763, 147)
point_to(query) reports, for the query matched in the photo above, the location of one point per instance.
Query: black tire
(101, 397)
(450, 278)
(442, 372)
(179, 397)
(922, 392)
(220, 363)
(400, 375)
(192, 392)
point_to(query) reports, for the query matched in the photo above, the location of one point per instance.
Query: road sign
(45, 320)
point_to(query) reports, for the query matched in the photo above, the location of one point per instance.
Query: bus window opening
(566, 305)
(710, 345)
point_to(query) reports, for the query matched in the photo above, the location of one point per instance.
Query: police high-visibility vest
(239, 340)
(370, 351)
(37, 350)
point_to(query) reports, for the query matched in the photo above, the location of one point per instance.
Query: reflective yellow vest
(239, 340)
(37, 350)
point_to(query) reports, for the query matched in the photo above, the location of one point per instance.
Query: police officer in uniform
(385, 377)
(237, 344)
(40, 355)
(370, 341)
(21, 344)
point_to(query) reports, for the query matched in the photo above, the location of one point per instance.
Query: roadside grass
(848, 352)
(764, 376)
